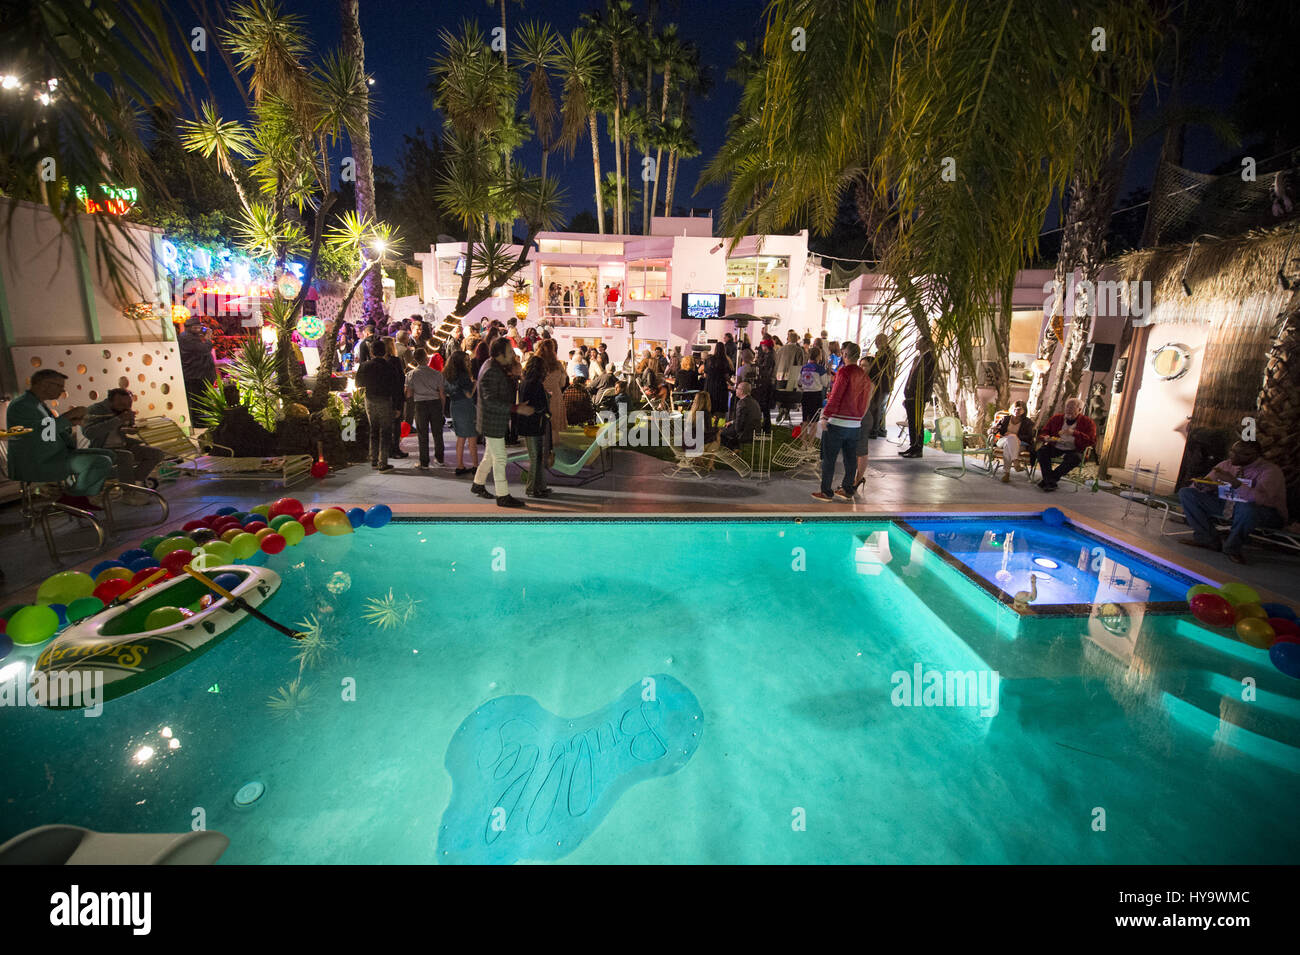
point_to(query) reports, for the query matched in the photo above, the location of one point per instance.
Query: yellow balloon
(1251, 610)
(333, 523)
(113, 573)
(1256, 632)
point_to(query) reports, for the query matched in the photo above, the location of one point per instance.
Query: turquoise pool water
(504, 716)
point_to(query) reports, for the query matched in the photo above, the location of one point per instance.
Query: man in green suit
(49, 454)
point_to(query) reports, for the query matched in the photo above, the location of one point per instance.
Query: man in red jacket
(1069, 435)
(850, 394)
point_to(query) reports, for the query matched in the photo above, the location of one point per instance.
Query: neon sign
(116, 202)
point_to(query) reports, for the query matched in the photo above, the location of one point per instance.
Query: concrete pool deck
(636, 486)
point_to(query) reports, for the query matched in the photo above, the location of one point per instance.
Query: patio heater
(742, 319)
(630, 316)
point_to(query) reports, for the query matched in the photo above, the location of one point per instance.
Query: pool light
(1046, 562)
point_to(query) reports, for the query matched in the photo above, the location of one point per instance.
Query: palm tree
(953, 125)
(680, 142)
(353, 47)
(579, 64)
(615, 28)
(86, 119)
(539, 53)
(1279, 401)
(671, 53)
(477, 95)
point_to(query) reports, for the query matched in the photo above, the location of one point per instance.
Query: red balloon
(286, 505)
(148, 572)
(192, 525)
(1284, 628)
(406, 429)
(308, 522)
(796, 431)
(254, 526)
(1213, 610)
(109, 590)
(176, 561)
(320, 469)
(273, 543)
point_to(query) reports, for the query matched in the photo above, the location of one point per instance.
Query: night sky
(401, 37)
(401, 40)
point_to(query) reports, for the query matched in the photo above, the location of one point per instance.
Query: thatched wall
(1235, 291)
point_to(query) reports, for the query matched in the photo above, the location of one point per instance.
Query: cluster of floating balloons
(214, 540)
(1266, 626)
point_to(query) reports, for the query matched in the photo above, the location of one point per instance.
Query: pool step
(1249, 728)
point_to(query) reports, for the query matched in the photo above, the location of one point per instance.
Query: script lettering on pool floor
(527, 784)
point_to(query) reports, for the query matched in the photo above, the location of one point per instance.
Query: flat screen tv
(704, 306)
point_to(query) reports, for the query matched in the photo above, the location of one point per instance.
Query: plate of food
(17, 431)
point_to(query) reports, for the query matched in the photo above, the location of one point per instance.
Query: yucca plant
(254, 370)
(209, 405)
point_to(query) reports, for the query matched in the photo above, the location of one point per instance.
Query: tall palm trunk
(618, 154)
(1279, 401)
(663, 117)
(372, 289)
(672, 181)
(595, 166)
(505, 38)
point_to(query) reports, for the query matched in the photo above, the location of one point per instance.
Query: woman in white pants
(1012, 434)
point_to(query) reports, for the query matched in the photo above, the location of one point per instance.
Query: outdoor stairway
(1209, 701)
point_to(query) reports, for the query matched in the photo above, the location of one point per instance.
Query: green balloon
(84, 607)
(1201, 589)
(263, 509)
(292, 532)
(221, 550)
(171, 544)
(64, 588)
(149, 543)
(163, 617)
(280, 520)
(33, 625)
(204, 562)
(1239, 594)
(245, 545)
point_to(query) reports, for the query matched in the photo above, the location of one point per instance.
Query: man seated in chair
(1069, 435)
(1253, 484)
(578, 408)
(749, 418)
(110, 424)
(1013, 433)
(49, 454)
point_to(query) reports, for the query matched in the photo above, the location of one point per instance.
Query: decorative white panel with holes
(151, 371)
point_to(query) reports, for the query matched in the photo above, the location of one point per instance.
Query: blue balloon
(1279, 611)
(127, 556)
(1286, 657)
(103, 565)
(6, 644)
(1053, 517)
(357, 516)
(228, 580)
(62, 611)
(228, 509)
(378, 516)
(138, 565)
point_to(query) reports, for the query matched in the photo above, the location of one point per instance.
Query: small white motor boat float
(117, 647)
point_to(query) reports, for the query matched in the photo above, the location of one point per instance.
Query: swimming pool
(660, 691)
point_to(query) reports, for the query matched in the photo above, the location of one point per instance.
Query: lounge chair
(804, 451)
(571, 461)
(952, 438)
(72, 845)
(288, 469)
(698, 465)
(166, 434)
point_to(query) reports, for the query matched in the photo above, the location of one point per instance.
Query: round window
(1171, 361)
